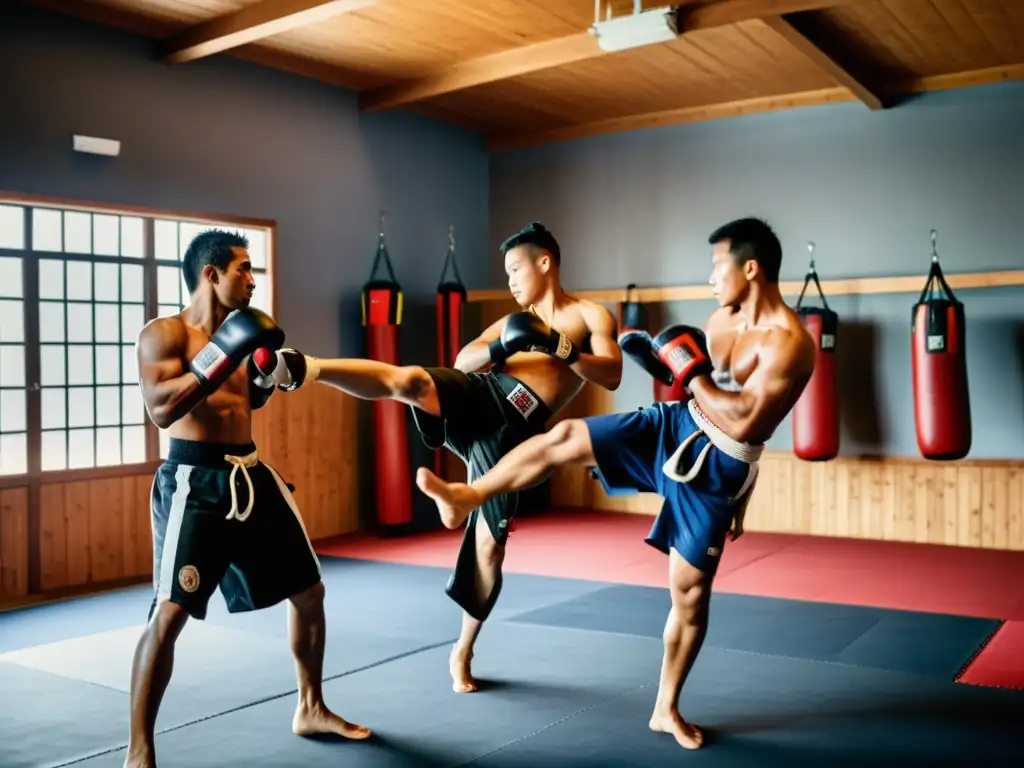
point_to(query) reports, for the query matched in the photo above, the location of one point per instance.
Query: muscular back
(555, 382)
(165, 348)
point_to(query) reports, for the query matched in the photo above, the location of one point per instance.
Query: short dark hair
(210, 247)
(752, 238)
(537, 237)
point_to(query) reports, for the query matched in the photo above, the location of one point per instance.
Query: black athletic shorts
(223, 518)
(483, 417)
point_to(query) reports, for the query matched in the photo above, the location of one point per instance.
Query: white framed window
(77, 284)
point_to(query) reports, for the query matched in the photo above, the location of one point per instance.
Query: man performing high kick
(538, 359)
(701, 455)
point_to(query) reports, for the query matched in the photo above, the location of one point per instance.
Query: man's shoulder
(791, 343)
(164, 333)
(592, 312)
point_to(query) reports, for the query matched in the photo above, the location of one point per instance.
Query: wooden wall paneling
(967, 503)
(14, 552)
(94, 531)
(311, 437)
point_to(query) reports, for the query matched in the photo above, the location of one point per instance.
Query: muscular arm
(603, 366)
(476, 355)
(169, 389)
(755, 409)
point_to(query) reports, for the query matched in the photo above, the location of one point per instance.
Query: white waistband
(241, 463)
(744, 452)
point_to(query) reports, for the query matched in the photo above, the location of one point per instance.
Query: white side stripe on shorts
(165, 575)
(282, 486)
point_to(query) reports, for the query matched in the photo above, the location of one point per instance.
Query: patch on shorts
(523, 401)
(188, 578)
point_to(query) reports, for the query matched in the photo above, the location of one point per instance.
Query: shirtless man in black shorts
(220, 516)
(538, 359)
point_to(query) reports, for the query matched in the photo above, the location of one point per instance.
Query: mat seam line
(556, 722)
(264, 700)
(745, 652)
(64, 676)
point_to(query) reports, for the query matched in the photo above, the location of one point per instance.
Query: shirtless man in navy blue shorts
(744, 372)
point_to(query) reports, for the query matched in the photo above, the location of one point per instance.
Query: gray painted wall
(230, 137)
(866, 187)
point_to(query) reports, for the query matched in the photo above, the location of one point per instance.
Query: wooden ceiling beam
(249, 24)
(801, 42)
(501, 143)
(897, 89)
(567, 50)
(720, 13)
(485, 69)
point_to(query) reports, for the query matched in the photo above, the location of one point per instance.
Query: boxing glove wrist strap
(312, 368)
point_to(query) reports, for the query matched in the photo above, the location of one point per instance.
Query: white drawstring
(241, 463)
(744, 452)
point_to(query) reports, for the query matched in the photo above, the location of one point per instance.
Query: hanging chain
(935, 252)
(810, 249)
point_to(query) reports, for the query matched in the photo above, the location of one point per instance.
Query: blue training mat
(924, 643)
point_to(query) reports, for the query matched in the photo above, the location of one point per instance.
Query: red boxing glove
(683, 349)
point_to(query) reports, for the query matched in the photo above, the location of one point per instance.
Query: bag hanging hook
(935, 252)
(812, 274)
(382, 253)
(449, 259)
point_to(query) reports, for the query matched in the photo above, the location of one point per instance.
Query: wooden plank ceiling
(526, 72)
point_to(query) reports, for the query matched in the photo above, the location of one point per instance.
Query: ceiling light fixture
(657, 25)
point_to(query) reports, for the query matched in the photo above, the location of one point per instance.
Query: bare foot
(462, 678)
(454, 500)
(140, 759)
(688, 735)
(319, 720)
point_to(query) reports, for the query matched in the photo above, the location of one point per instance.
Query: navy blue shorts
(631, 449)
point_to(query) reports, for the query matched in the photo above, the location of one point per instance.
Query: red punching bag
(451, 298)
(816, 413)
(382, 315)
(942, 408)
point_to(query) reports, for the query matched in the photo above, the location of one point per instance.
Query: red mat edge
(986, 681)
(966, 666)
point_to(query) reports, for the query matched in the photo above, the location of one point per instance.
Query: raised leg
(151, 672)
(684, 634)
(568, 442)
(374, 380)
(489, 557)
(307, 629)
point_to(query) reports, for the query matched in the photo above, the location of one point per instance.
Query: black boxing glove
(497, 352)
(294, 369)
(638, 346)
(262, 363)
(525, 332)
(683, 350)
(242, 333)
